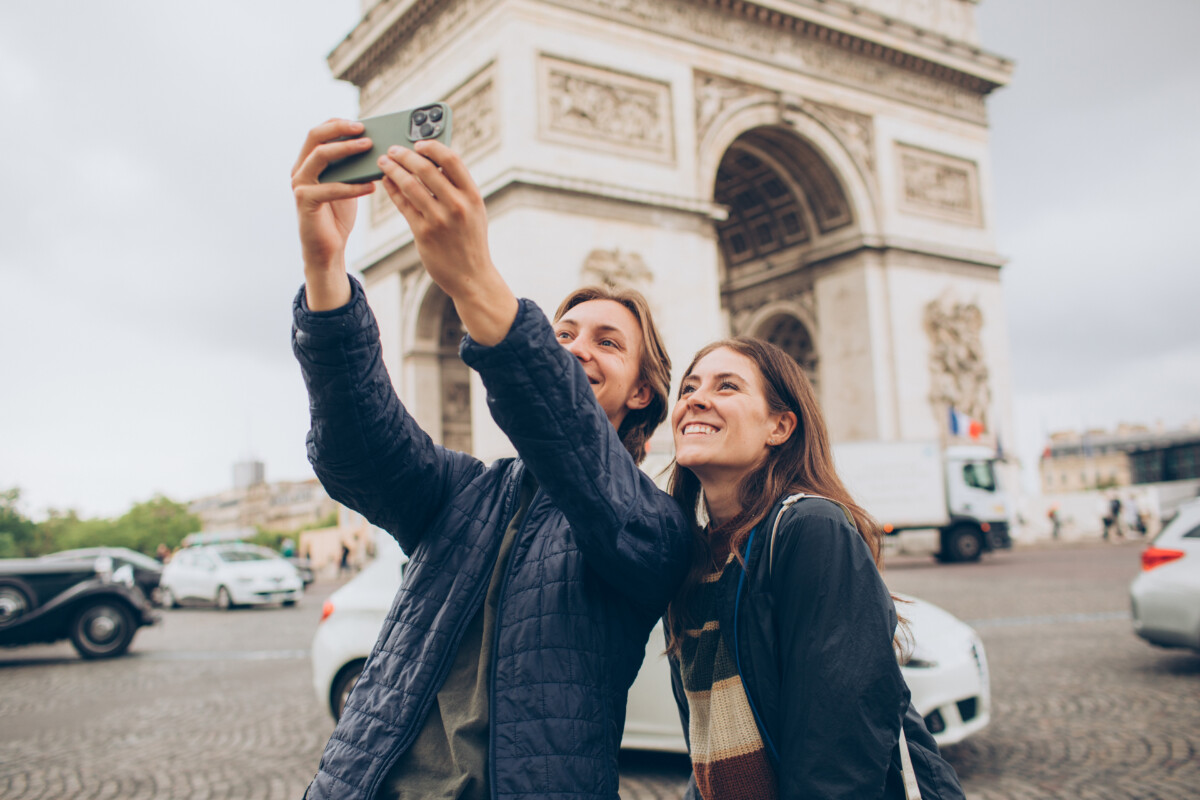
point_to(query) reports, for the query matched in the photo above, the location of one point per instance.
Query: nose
(697, 399)
(578, 348)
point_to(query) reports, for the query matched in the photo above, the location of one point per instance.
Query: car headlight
(919, 660)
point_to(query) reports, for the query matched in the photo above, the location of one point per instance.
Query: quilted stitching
(572, 629)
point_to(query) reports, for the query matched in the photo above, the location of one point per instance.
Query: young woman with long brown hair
(781, 639)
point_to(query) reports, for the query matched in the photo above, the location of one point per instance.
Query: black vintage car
(86, 600)
(146, 571)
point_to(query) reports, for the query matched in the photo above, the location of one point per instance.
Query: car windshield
(242, 555)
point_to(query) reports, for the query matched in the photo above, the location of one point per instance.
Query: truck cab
(976, 503)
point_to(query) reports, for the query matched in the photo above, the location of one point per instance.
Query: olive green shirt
(449, 758)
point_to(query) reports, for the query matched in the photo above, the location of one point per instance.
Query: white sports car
(947, 670)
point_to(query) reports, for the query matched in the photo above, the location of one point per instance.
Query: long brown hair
(803, 463)
(654, 367)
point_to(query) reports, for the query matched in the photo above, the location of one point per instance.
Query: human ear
(785, 425)
(640, 398)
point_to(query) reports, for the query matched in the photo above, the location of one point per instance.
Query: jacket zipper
(508, 568)
(443, 666)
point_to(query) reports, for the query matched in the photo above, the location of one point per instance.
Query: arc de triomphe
(815, 172)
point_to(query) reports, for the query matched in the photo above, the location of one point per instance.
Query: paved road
(215, 706)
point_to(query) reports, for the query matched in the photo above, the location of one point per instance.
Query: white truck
(908, 486)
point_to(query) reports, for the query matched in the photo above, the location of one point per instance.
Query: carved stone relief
(714, 93)
(855, 131)
(474, 105)
(795, 289)
(765, 39)
(938, 185)
(958, 370)
(616, 269)
(601, 109)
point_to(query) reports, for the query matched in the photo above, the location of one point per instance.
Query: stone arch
(790, 326)
(443, 381)
(769, 113)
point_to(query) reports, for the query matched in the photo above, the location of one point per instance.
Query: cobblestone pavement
(217, 706)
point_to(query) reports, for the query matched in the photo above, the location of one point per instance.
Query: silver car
(1166, 596)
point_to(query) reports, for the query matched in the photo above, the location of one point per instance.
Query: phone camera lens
(427, 129)
(435, 114)
(419, 117)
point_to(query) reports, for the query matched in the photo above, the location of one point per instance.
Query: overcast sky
(148, 252)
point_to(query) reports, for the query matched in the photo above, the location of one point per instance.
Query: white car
(947, 670)
(1165, 598)
(229, 575)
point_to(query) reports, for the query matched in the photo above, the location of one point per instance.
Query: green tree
(158, 520)
(64, 530)
(19, 536)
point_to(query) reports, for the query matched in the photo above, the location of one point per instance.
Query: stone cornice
(894, 40)
(391, 24)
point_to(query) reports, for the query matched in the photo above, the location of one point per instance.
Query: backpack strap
(788, 502)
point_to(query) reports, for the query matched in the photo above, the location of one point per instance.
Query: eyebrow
(718, 377)
(606, 330)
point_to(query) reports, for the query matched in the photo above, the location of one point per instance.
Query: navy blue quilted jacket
(598, 556)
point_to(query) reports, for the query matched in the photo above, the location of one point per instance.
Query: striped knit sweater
(729, 758)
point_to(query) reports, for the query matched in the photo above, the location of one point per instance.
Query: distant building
(248, 473)
(1130, 455)
(254, 503)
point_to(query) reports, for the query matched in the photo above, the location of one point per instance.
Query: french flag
(962, 425)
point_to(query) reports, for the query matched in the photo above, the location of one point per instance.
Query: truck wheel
(963, 543)
(103, 629)
(16, 600)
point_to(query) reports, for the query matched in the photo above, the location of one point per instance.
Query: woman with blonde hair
(781, 639)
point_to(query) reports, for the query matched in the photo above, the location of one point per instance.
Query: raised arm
(632, 534)
(436, 194)
(326, 211)
(364, 446)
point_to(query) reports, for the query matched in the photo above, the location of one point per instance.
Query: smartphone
(405, 128)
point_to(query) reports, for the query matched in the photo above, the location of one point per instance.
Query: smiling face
(722, 423)
(607, 339)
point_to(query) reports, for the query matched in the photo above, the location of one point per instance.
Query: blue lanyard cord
(737, 651)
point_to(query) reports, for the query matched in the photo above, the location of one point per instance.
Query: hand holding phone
(404, 128)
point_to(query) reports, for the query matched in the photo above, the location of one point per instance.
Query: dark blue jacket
(598, 556)
(814, 649)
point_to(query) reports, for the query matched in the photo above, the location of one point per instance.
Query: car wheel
(339, 692)
(224, 600)
(16, 600)
(963, 543)
(166, 598)
(103, 629)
